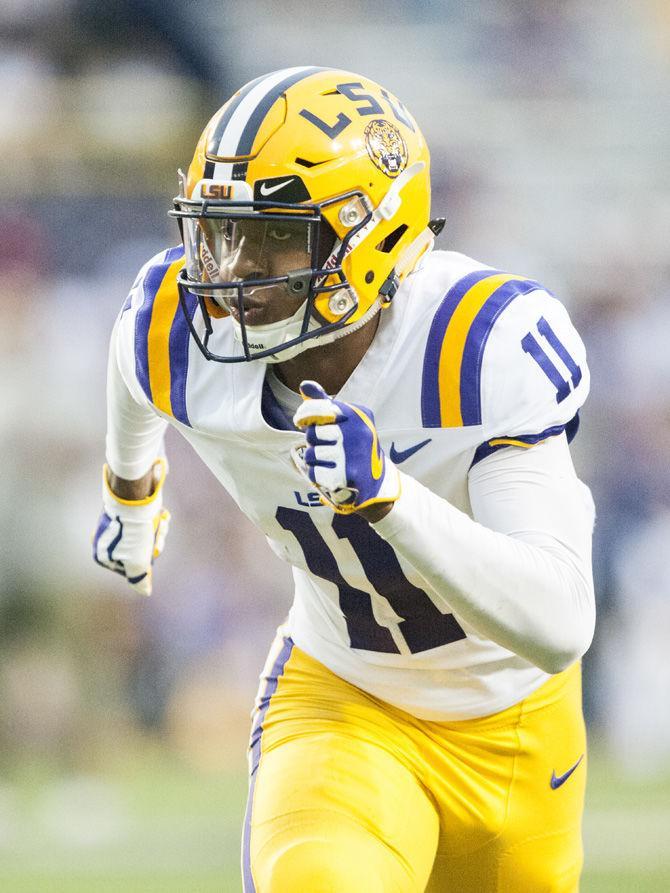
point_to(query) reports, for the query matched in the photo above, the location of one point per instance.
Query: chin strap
(375, 307)
(390, 204)
(410, 255)
(330, 337)
(385, 210)
(407, 261)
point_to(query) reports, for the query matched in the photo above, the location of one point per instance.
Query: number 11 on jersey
(532, 346)
(420, 622)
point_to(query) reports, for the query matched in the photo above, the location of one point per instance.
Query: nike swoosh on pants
(558, 780)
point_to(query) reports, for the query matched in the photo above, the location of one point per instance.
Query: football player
(396, 421)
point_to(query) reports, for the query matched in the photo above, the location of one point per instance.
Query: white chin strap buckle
(388, 207)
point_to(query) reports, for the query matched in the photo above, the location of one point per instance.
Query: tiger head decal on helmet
(386, 147)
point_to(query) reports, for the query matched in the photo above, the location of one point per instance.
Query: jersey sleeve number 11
(422, 625)
(531, 346)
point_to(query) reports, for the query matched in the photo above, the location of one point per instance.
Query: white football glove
(131, 532)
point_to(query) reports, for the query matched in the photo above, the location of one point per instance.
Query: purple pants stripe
(271, 682)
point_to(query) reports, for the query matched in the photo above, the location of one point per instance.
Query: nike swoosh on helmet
(268, 190)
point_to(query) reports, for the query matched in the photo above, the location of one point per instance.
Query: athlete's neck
(332, 364)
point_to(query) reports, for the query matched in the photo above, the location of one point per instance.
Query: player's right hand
(131, 532)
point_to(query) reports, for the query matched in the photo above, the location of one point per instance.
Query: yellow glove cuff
(160, 472)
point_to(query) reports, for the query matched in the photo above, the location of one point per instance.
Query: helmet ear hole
(388, 244)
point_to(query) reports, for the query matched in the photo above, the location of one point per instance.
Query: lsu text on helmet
(305, 205)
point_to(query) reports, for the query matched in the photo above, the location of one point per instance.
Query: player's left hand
(343, 457)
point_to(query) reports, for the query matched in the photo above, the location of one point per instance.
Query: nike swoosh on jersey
(558, 780)
(398, 456)
(268, 190)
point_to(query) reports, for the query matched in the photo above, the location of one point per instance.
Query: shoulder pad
(148, 273)
(534, 375)
(160, 333)
(452, 367)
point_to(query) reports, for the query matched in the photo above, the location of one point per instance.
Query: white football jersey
(467, 360)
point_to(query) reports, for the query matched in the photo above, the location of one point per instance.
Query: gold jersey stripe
(166, 304)
(451, 354)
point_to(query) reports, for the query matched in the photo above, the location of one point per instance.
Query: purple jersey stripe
(152, 282)
(431, 415)
(173, 254)
(271, 682)
(179, 343)
(272, 412)
(473, 350)
(151, 285)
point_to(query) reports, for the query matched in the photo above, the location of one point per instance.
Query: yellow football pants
(351, 795)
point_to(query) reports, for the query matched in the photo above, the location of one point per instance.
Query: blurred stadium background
(123, 723)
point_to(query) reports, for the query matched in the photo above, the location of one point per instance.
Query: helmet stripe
(217, 145)
(235, 132)
(233, 105)
(252, 126)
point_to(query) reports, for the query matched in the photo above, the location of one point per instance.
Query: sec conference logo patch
(386, 147)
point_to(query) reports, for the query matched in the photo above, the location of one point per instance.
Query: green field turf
(156, 826)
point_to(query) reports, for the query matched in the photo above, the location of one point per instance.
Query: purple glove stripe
(116, 570)
(313, 390)
(311, 460)
(313, 440)
(115, 542)
(357, 444)
(103, 524)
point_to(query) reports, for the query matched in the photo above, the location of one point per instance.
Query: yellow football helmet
(306, 204)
